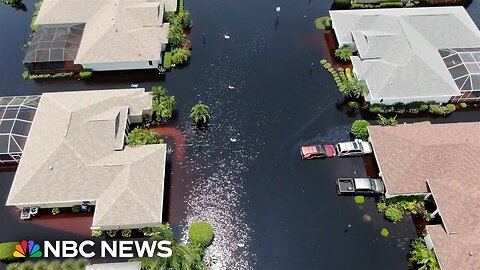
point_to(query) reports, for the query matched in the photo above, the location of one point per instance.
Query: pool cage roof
(54, 43)
(464, 67)
(16, 117)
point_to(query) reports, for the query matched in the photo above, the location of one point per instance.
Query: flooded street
(269, 209)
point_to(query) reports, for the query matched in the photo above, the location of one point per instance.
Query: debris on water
(134, 85)
(241, 245)
(227, 37)
(231, 87)
(233, 139)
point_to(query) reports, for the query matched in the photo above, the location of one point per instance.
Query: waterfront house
(99, 35)
(75, 154)
(443, 161)
(413, 54)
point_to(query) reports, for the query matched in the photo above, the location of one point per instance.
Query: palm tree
(180, 55)
(200, 113)
(157, 93)
(164, 108)
(176, 35)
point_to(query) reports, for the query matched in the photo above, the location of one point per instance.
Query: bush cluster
(394, 208)
(86, 74)
(76, 208)
(201, 234)
(167, 60)
(323, 23)
(441, 110)
(27, 76)
(344, 53)
(347, 84)
(387, 121)
(163, 104)
(360, 129)
(139, 136)
(422, 256)
(413, 108)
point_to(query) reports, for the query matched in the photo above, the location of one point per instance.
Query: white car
(354, 148)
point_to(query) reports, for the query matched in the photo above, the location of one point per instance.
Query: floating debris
(233, 139)
(227, 37)
(241, 245)
(231, 87)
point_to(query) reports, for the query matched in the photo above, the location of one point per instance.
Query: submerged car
(317, 151)
(353, 148)
(364, 186)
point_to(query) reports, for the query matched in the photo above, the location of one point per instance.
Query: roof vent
(50, 168)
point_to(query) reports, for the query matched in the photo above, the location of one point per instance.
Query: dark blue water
(270, 210)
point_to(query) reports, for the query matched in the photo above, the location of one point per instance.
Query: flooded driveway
(269, 209)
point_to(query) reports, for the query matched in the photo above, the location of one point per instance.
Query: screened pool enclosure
(53, 48)
(16, 117)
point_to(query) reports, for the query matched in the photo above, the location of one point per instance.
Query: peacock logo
(27, 249)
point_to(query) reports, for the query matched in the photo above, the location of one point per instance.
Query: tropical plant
(463, 105)
(164, 109)
(384, 232)
(353, 105)
(97, 233)
(394, 214)
(200, 233)
(158, 92)
(164, 231)
(384, 121)
(344, 53)
(180, 55)
(40, 265)
(423, 257)
(68, 264)
(360, 129)
(112, 233)
(54, 265)
(76, 208)
(381, 207)
(140, 136)
(81, 264)
(55, 211)
(184, 18)
(126, 233)
(176, 35)
(323, 23)
(200, 113)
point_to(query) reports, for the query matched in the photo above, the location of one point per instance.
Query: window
(150, 63)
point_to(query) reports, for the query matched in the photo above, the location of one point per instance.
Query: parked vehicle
(317, 151)
(363, 186)
(353, 148)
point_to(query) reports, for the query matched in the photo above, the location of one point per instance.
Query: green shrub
(112, 233)
(81, 264)
(201, 234)
(97, 233)
(167, 60)
(377, 108)
(463, 105)
(28, 265)
(360, 129)
(441, 110)
(384, 232)
(422, 256)
(393, 214)
(54, 265)
(323, 23)
(55, 211)
(68, 264)
(381, 207)
(126, 233)
(40, 265)
(180, 56)
(353, 105)
(27, 76)
(391, 4)
(359, 199)
(323, 62)
(344, 53)
(86, 74)
(140, 136)
(6, 252)
(450, 108)
(164, 231)
(76, 208)
(384, 121)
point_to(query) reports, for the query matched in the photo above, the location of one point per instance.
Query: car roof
(362, 183)
(312, 149)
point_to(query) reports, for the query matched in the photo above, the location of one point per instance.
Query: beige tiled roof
(410, 154)
(71, 155)
(442, 159)
(115, 31)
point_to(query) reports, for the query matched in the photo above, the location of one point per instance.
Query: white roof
(74, 154)
(115, 266)
(116, 30)
(398, 48)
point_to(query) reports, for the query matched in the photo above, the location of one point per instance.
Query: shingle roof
(71, 155)
(444, 160)
(116, 30)
(398, 48)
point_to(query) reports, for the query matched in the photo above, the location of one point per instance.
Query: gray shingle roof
(398, 48)
(72, 155)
